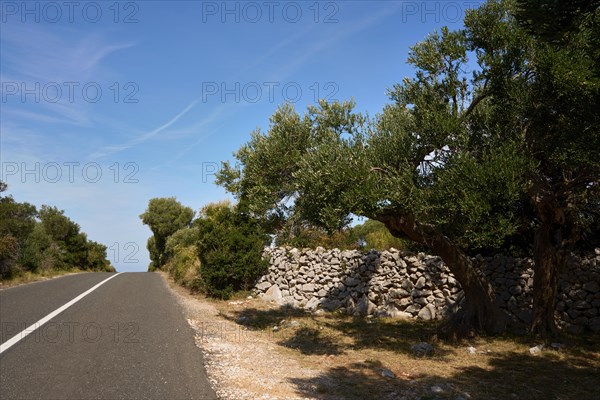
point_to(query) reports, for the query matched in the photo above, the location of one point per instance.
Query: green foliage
(72, 244)
(552, 19)
(374, 235)
(591, 224)
(269, 164)
(153, 252)
(383, 167)
(184, 237)
(488, 204)
(37, 248)
(369, 235)
(57, 224)
(296, 233)
(165, 216)
(96, 257)
(183, 263)
(52, 243)
(17, 222)
(9, 248)
(310, 237)
(458, 162)
(456, 152)
(548, 98)
(218, 253)
(18, 219)
(186, 268)
(230, 249)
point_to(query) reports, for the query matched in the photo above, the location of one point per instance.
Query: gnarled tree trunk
(554, 241)
(549, 262)
(480, 310)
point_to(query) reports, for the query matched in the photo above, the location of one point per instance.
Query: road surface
(126, 339)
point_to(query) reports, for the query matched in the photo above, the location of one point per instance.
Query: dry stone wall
(405, 285)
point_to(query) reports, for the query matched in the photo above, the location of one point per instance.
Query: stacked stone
(405, 285)
(512, 281)
(391, 283)
(579, 294)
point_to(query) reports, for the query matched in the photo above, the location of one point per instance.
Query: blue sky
(107, 104)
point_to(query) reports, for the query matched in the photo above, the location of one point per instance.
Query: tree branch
(382, 171)
(474, 104)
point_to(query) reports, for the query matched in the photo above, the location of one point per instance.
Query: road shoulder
(240, 363)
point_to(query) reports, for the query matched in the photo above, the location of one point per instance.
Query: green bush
(374, 235)
(230, 248)
(184, 237)
(182, 262)
(184, 267)
(305, 235)
(36, 245)
(9, 248)
(153, 252)
(96, 257)
(369, 235)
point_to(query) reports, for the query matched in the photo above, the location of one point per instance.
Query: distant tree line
(44, 240)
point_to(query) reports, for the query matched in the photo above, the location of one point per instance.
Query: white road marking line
(25, 332)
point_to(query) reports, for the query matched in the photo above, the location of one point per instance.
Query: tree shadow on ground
(362, 380)
(568, 373)
(255, 318)
(310, 341)
(384, 333)
(506, 376)
(306, 339)
(358, 333)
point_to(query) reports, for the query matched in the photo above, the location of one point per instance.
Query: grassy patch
(28, 277)
(353, 354)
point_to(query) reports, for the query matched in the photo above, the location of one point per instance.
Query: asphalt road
(127, 339)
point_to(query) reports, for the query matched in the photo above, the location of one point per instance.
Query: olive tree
(459, 160)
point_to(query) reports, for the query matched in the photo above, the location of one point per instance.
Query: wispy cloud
(19, 114)
(21, 141)
(34, 52)
(205, 135)
(34, 56)
(109, 150)
(289, 69)
(202, 127)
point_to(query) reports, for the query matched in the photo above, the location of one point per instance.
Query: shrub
(96, 257)
(184, 237)
(35, 246)
(181, 252)
(184, 266)
(9, 248)
(374, 235)
(153, 252)
(230, 248)
(370, 235)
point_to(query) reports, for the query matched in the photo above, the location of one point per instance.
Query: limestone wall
(404, 285)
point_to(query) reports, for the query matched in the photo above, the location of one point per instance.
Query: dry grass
(28, 277)
(352, 352)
